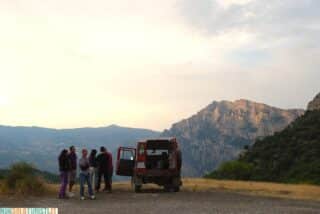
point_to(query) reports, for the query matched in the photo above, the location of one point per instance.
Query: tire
(136, 183)
(171, 189)
(166, 188)
(137, 188)
(173, 186)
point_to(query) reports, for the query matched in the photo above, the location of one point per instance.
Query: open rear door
(125, 161)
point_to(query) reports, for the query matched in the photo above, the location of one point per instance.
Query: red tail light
(141, 153)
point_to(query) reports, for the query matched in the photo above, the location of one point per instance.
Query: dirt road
(157, 201)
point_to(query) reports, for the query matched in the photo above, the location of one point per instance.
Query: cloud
(282, 30)
(256, 16)
(69, 63)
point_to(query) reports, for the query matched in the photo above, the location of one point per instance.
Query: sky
(149, 64)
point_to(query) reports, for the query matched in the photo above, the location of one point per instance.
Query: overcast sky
(147, 63)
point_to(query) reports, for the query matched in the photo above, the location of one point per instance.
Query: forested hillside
(292, 155)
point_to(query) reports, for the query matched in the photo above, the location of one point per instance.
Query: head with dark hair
(72, 149)
(103, 149)
(64, 152)
(93, 152)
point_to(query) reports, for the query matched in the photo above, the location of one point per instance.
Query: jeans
(85, 178)
(64, 183)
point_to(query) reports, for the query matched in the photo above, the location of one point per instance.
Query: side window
(156, 152)
(127, 155)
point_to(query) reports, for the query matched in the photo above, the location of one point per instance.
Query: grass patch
(293, 191)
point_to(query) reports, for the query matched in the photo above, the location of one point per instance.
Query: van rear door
(125, 161)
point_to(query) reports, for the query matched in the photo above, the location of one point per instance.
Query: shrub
(2, 173)
(22, 179)
(234, 170)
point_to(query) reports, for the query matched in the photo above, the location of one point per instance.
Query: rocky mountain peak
(314, 104)
(218, 132)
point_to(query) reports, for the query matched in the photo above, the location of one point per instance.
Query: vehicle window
(126, 155)
(156, 151)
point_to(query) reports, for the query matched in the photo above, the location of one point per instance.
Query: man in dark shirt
(73, 167)
(104, 161)
(109, 172)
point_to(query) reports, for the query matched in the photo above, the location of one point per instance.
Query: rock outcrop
(314, 104)
(221, 130)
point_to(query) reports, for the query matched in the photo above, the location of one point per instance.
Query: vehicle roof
(165, 139)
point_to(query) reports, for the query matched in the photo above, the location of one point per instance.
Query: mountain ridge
(219, 131)
(237, 101)
(41, 146)
(84, 127)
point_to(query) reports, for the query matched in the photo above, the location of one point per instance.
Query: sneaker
(82, 198)
(92, 197)
(70, 194)
(108, 190)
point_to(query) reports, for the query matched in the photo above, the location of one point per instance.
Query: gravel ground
(156, 201)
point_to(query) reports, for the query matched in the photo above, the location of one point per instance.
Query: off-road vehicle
(152, 161)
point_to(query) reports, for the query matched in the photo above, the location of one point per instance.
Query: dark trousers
(107, 177)
(64, 183)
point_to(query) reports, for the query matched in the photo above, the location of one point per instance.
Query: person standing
(73, 168)
(93, 167)
(64, 168)
(85, 175)
(109, 171)
(102, 165)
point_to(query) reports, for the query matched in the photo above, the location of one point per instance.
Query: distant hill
(220, 131)
(41, 146)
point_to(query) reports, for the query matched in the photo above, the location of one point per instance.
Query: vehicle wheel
(137, 188)
(168, 188)
(176, 189)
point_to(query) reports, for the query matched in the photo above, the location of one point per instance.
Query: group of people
(91, 171)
